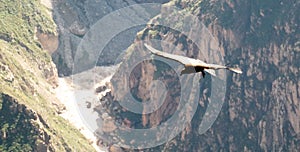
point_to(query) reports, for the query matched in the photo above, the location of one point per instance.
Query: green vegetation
(18, 132)
(22, 76)
(19, 20)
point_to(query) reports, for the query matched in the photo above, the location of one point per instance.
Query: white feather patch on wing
(210, 71)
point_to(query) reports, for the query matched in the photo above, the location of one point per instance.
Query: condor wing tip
(236, 70)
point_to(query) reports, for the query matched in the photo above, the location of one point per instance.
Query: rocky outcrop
(261, 109)
(50, 73)
(6, 73)
(49, 42)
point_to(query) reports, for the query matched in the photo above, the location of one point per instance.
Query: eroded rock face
(75, 18)
(49, 42)
(261, 109)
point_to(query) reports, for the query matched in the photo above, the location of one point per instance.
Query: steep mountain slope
(261, 109)
(29, 118)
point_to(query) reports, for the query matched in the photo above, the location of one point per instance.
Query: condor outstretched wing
(186, 61)
(217, 67)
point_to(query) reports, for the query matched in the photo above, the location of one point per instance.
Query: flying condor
(192, 65)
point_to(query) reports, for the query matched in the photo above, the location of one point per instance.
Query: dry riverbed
(77, 93)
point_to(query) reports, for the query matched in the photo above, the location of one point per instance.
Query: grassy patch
(19, 21)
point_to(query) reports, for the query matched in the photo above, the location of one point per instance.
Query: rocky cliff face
(261, 109)
(74, 18)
